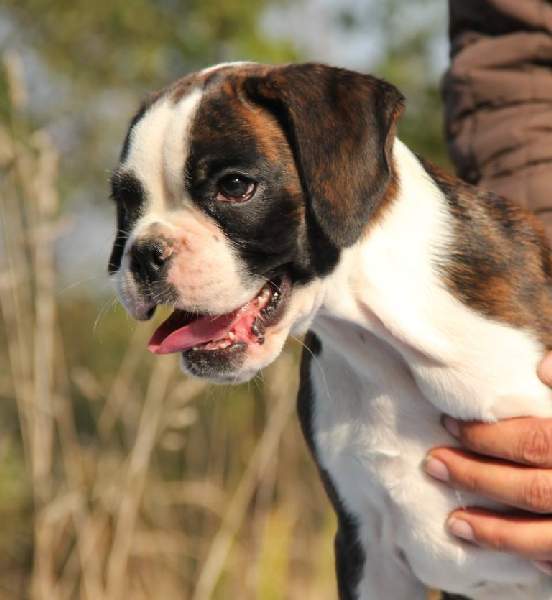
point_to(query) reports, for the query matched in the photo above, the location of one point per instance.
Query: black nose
(148, 259)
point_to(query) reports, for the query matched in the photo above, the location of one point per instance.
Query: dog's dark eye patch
(229, 138)
(129, 197)
(126, 189)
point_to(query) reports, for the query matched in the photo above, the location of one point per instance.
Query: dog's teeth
(263, 297)
(232, 336)
(258, 329)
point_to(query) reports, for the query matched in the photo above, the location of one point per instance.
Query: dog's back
(501, 263)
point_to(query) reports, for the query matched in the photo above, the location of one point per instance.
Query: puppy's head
(236, 191)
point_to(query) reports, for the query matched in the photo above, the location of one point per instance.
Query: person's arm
(498, 99)
(498, 110)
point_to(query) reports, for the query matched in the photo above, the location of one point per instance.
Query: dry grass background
(119, 477)
(133, 482)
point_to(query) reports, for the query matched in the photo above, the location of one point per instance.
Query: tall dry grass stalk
(170, 489)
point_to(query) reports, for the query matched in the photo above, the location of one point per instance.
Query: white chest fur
(397, 351)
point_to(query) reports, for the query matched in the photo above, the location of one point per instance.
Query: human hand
(509, 462)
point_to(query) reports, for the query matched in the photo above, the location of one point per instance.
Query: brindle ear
(341, 127)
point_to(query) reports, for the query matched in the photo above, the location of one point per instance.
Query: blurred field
(119, 477)
(136, 482)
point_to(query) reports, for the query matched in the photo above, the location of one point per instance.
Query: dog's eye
(235, 188)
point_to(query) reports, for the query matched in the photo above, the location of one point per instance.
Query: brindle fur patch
(500, 261)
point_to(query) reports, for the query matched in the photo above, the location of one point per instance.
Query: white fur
(397, 351)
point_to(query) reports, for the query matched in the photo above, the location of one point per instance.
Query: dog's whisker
(104, 309)
(315, 360)
(75, 284)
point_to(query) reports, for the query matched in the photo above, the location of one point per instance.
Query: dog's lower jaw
(247, 362)
(229, 373)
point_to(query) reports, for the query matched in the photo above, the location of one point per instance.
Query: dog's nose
(148, 259)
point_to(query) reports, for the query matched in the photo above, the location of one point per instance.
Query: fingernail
(544, 566)
(436, 469)
(461, 529)
(451, 425)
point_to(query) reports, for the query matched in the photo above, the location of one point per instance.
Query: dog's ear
(340, 126)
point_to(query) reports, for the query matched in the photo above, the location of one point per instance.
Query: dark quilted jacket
(498, 98)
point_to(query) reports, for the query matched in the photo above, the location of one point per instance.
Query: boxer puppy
(261, 201)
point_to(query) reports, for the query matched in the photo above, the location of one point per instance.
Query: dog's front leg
(373, 574)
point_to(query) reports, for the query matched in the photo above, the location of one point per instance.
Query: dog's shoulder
(499, 260)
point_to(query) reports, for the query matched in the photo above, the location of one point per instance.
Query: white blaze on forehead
(177, 143)
(158, 148)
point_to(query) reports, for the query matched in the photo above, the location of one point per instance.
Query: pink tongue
(200, 331)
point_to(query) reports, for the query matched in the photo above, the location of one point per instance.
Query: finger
(515, 485)
(526, 440)
(526, 535)
(544, 370)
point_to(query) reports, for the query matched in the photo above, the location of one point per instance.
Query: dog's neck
(383, 283)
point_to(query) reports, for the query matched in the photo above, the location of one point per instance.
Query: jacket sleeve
(498, 99)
